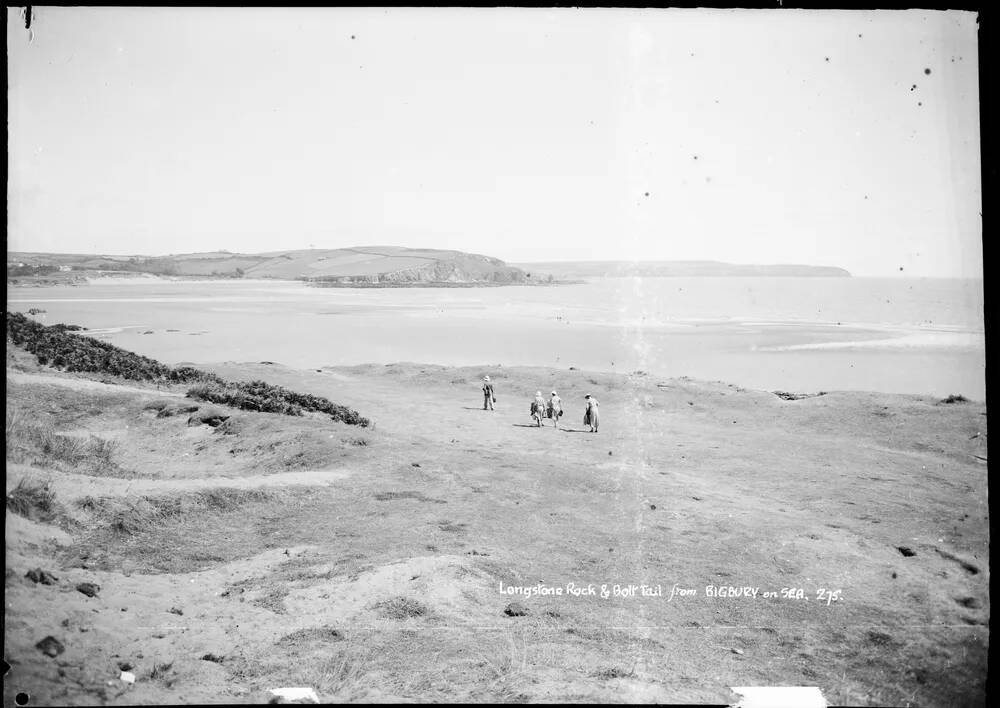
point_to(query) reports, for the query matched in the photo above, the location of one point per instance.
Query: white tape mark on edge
(780, 697)
(296, 694)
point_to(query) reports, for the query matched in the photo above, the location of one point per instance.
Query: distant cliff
(675, 269)
(375, 265)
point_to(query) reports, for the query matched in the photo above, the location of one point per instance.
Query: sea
(804, 335)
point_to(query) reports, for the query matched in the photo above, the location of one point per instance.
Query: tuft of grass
(400, 608)
(39, 443)
(273, 600)
(342, 673)
(13, 423)
(505, 660)
(102, 452)
(614, 672)
(32, 499)
(163, 672)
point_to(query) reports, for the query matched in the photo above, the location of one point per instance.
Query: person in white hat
(554, 409)
(591, 417)
(489, 398)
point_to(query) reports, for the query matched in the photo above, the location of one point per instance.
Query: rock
(89, 589)
(44, 577)
(515, 609)
(50, 646)
(125, 666)
(737, 651)
(906, 551)
(176, 610)
(215, 658)
(414, 464)
(653, 507)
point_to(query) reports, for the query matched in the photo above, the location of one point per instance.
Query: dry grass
(38, 443)
(505, 661)
(401, 608)
(134, 515)
(342, 673)
(32, 499)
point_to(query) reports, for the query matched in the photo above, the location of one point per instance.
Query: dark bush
(74, 352)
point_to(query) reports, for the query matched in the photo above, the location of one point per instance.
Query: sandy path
(69, 486)
(79, 384)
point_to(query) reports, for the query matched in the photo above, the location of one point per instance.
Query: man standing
(591, 417)
(488, 398)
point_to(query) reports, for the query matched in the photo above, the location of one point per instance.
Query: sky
(844, 138)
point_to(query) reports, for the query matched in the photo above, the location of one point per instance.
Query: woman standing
(488, 398)
(591, 417)
(538, 408)
(554, 409)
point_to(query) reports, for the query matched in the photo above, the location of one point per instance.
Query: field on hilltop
(372, 264)
(236, 551)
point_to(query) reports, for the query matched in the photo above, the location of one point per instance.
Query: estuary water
(899, 335)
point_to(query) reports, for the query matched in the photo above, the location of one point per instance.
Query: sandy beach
(421, 559)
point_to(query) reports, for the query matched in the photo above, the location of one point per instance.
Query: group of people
(542, 409)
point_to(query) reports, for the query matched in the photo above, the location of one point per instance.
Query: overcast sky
(841, 138)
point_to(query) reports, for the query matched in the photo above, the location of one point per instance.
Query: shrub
(74, 352)
(32, 499)
(57, 345)
(265, 397)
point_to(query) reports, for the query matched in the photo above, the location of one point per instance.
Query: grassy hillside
(376, 264)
